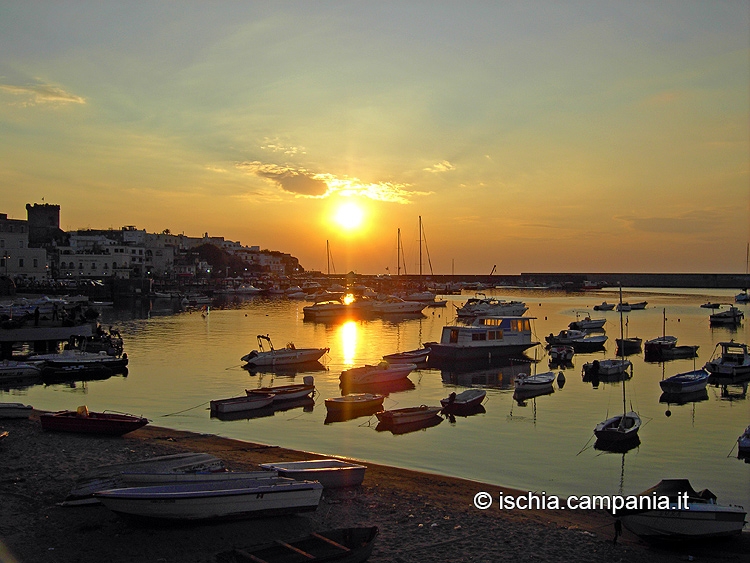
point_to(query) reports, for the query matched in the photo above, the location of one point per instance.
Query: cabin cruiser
(487, 337)
(489, 306)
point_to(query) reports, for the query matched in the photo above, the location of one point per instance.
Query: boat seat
(295, 549)
(330, 541)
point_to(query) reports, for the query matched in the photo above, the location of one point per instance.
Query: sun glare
(349, 216)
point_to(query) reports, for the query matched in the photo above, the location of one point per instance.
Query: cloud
(704, 221)
(299, 182)
(443, 166)
(38, 94)
(304, 183)
(274, 145)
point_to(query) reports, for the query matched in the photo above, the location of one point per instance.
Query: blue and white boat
(687, 382)
(486, 338)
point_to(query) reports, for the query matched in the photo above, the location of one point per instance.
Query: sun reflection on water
(348, 335)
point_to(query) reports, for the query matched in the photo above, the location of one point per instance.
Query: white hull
(699, 521)
(172, 478)
(408, 415)
(10, 369)
(239, 404)
(331, 473)
(283, 392)
(525, 382)
(285, 357)
(212, 500)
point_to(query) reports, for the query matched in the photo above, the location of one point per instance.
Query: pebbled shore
(422, 517)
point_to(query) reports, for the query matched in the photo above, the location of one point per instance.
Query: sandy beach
(422, 517)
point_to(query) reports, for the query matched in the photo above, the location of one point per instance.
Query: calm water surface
(180, 360)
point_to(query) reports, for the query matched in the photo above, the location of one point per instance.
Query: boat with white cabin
(486, 338)
(730, 359)
(393, 305)
(481, 305)
(731, 316)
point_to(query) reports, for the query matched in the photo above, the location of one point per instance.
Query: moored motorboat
(331, 473)
(210, 500)
(673, 510)
(587, 323)
(730, 360)
(687, 382)
(604, 306)
(561, 353)
(731, 316)
(609, 367)
(380, 373)
(12, 370)
(538, 381)
(74, 358)
(580, 340)
(408, 415)
(84, 421)
(286, 392)
(393, 305)
(490, 306)
(343, 545)
(289, 355)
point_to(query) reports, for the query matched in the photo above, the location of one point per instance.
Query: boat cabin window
(520, 325)
(479, 336)
(495, 335)
(492, 322)
(454, 335)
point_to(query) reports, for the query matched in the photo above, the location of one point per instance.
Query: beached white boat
(286, 392)
(289, 355)
(408, 357)
(110, 476)
(379, 373)
(408, 415)
(15, 410)
(485, 338)
(730, 359)
(701, 518)
(210, 500)
(466, 399)
(146, 479)
(687, 382)
(242, 403)
(331, 473)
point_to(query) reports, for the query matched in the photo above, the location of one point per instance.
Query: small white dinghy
(331, 473)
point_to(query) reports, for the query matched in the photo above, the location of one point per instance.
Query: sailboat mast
(622, 356)
(398, 254)
(420, 247)
(328, 258)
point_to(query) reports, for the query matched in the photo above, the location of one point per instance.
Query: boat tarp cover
(672, 488)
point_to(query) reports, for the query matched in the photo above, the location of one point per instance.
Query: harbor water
(180, 360)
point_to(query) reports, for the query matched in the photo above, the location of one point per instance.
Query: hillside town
(35, 253)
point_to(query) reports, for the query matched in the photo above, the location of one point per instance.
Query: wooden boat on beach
(83, 421)
(211, 500)
(331, 473)
(343, 545)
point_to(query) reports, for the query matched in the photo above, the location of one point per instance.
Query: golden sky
(534, 136)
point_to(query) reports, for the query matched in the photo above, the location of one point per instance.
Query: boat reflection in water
(497, 375)
(521, 395)
(286, 371)
(617, 447)
(407, 427)
(684, 398)
(305, 403)
(464, 412)
(595, 379)
(385, 388)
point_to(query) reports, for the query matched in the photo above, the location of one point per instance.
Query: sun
(349, 216)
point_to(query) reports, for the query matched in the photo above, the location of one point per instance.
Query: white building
(17, 260)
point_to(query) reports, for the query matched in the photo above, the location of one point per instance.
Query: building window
(106, 266)
(36, 262)
(20, 244)
(20, 262)
(93, 265)
(80, 265)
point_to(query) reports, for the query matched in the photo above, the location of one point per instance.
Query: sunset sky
(595, 136)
